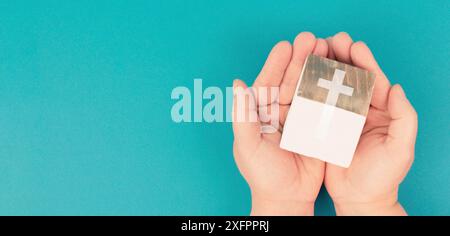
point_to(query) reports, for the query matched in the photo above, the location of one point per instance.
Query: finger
(272, 73)
(330, 49)
(341, 47)
(377, 118)
(321, 48)
(362, 57)
(284, 109)
(269, 118)
(273, 70)
(246, 126)
(304, 45)
(403, 126)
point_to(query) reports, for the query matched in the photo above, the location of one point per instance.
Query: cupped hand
(281, 182)
(385, 151)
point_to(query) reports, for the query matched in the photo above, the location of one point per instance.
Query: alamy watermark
(213, 104)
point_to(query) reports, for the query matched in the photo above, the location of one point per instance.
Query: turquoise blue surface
(85, 125)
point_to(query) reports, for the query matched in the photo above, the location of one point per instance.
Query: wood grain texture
(360, 80)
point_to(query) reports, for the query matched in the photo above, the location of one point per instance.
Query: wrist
(268, 207)
(376, 208)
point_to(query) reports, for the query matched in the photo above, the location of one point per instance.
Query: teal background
(85, 126)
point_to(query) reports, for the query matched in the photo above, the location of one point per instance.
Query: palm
(280, 174)
(368, 173)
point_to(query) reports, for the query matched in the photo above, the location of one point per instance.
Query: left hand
(281, 182)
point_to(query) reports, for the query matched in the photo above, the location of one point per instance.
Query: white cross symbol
(335, 87)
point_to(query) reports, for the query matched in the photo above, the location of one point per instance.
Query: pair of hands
(285, 183)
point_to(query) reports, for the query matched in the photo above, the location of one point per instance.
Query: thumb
(403, 126)
(246, 126)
